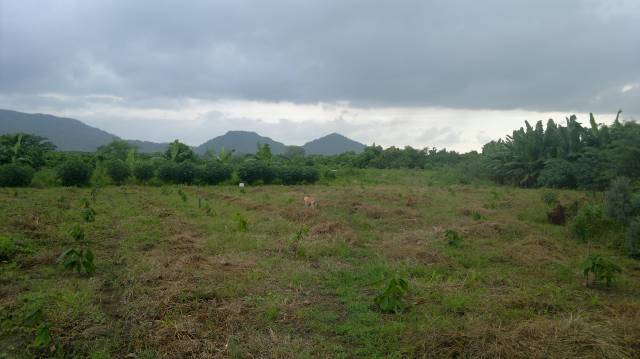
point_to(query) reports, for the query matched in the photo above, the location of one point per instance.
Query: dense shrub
(118, 171)
(557, 173)
(253, 171)
(172, 172)
(618, 205)
(632, 240)
(143, 171)
(74, 172)
(185, 173)
(310, 174)
(167, 171)
(14, 175)
(214, 172)
(298, 175)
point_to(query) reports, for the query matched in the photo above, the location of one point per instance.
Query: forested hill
(66, 133)
(332, 144)
(240, 142)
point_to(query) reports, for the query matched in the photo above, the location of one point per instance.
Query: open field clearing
(188, 271)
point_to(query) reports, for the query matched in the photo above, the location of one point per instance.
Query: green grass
(177, 279)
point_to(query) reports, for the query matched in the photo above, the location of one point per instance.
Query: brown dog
(310, 202)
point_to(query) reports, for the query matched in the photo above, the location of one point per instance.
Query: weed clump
(549, 197)
(558, 215)
(7, 248)
(454, 238)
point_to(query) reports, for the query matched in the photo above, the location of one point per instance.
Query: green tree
(179, 152)
(21, 148)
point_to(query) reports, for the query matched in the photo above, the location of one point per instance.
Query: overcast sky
(444, 73)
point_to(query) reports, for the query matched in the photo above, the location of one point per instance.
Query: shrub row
(76, 172)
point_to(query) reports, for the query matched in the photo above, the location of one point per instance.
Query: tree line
(572, 155)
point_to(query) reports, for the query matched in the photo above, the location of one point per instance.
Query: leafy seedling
(77, 233)
(79, 260)
(241, 222)
(601, 268)
(88, 214)
(43, 333)
(393, 299)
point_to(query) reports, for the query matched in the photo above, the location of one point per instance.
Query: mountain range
(72, 135)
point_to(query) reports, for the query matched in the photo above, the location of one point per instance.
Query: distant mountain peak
(240, 142)
(332, 144)
(72, 135)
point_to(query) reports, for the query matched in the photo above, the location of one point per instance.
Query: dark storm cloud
(538, 55)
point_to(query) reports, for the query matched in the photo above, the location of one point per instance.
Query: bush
(253, 171)
(143, 171)
(588, 222)
(118, 171)
(310, 174)
(74, 172)
(618, 204)
(214, 172)
(632, 240)
(171, 172)
(557, 173)
(297, 175)
(291, 175)
(185, 173)
(14, 175)
(167, 171)
(549, 197)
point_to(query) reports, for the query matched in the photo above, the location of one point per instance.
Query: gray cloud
(574, 55)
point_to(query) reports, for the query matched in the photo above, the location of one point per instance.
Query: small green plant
(207, 209)
(79, 260)
(182, 195)
(35, 319)
(549, 197)
(88, 214)
(298, 237)
(454, 239)
(241, 222)
(477, 216)
(94, 194)
(393, 299)
(7, 248)
(77, 233)
(165, 191)
(601, 268)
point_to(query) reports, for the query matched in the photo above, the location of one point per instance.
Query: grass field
(177, 276)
